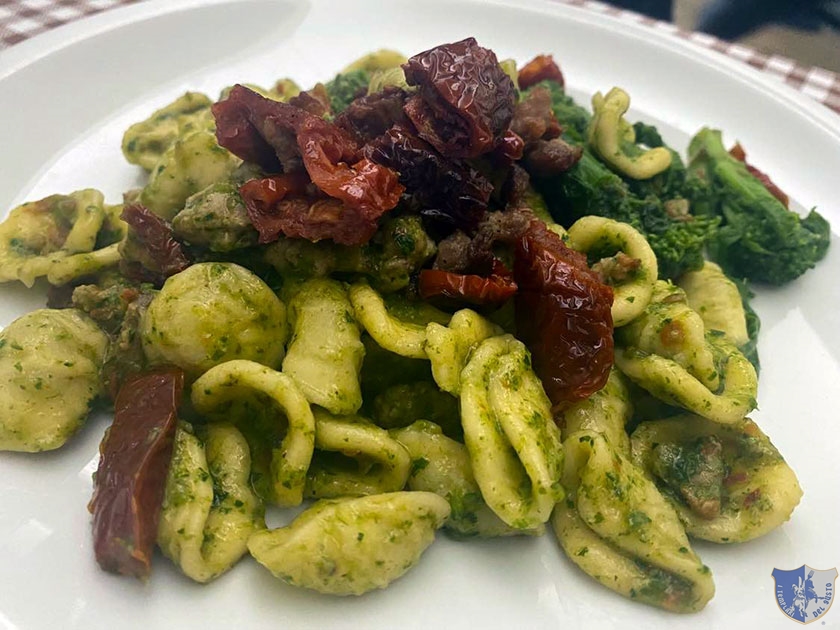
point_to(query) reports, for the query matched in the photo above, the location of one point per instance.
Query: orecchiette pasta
(354, 457)
(618, 528)
(146, 141)
(728, 483)
(606, 411)
(448, 346)
(613, 138)
(397, 335)
(325, 366)
(670, 329)
(215, 218)
(246, 393)
(626, 261)
(352, 546)
(441, 465)
(513, 443)
(672, 383)
(57, 237)
(209, 510)
(211, 313)
(192, 163)
(50, 362)
(718, 302)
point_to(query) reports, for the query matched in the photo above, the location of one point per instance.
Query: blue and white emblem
(804, 594)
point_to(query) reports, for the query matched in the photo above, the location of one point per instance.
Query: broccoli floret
(759, 239)
(676, 237)
(346, 87)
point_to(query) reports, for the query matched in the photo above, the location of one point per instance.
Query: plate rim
(19, 56)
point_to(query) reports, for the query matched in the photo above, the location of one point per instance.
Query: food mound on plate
(431, 293)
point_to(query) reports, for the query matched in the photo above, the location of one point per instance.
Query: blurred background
(805, 30)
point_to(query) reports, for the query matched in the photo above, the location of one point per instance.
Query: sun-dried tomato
(491, 291)
(450, 194)
(540, 68)
(369, 187)
(236, 132)
(369, 117)
(563, 316)
(150, 252)
(510, 147)
(316, 101)
(465, 100)
(318, 218)
(261, 197)
(739, 154)
(134, 462)
(331, 156)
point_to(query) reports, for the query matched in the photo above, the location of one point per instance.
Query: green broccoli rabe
(749, 349)
(676, 237)
(345, 87)
(658, 207)
(759, 238)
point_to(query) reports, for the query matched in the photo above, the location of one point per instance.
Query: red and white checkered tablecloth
(22, 19)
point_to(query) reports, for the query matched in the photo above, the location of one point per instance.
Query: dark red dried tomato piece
(261, 197)
(236, 133)
(563, 315)
(331, 156)
(321, 218)
(491, 291)
(739, 154)
(450, 193)
(364, 185)
(134, 462)
(540, 68)
(315, 101)
(510, 147)
(150, 252)
(370, 116)
(465, 101)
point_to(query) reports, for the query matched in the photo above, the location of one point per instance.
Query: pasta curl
(354, 457)
(352, 546)
(448, 346)
(718, 302)
(145, 142)
(669, 328)
(50, 364)
(627, 263)
(441, 465)
(614, 139)
(249, 393)
(607, 411)
(209, 510)
(513, 443)
(727, 483)
(325, 367)
(670, 382)
(400, 336)
(617, 528)
(60, 237)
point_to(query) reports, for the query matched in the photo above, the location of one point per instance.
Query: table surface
(22, 19)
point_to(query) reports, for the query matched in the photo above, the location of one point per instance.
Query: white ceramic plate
(67, 96)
